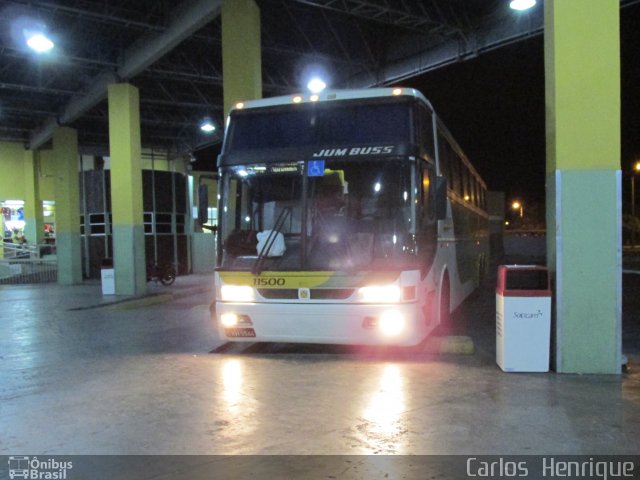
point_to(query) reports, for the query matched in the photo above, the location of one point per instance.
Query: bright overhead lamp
(316, 85)
(39, 43)
(522, 4)
(207, 127)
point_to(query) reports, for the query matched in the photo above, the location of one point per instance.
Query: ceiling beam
(101, 16)
(381, 12)
(191, 16)
(493, 34)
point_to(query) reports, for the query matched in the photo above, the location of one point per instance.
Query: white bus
(348, 217)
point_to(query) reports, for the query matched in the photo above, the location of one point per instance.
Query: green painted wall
(163, 162)
(47, 168)
(203, 252)
(203, 242)
(12, 185)
(12, 180)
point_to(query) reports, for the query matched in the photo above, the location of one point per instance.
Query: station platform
(83, 376)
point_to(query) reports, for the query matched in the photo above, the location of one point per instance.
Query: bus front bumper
(343, 324)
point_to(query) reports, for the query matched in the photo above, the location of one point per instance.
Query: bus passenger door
(427, 234)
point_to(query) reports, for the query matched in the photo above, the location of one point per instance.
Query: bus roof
(332, 95)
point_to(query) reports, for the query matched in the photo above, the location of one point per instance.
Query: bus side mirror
(441, 198)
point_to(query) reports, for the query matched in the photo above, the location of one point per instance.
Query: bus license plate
(240, 332)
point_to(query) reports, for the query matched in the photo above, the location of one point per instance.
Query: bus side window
(428, 194)
(476, 192)
(456, 173)
(464, 184)
(446, 159)
(234, 197)
(445, 166)
(426, 130)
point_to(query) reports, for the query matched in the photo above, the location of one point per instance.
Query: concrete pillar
(126, 189)
(241, 60)
(1, 235)
(67, 194)
(582, 70)
(33, 216)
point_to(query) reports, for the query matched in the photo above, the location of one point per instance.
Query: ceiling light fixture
(316, 85)
(522, 4)
(207, 127)
(39, 43)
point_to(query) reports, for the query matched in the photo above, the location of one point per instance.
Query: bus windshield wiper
(258, 264)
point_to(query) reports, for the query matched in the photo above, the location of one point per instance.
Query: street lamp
(518, 207)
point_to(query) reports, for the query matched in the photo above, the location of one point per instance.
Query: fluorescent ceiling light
(39, 43)
(207, 127)
(316, 85)
(522, 4)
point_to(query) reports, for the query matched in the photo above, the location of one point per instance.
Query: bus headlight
(236, 293)
(228, 320)
(391, 323)
(380, 294)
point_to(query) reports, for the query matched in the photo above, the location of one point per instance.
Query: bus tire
(168, 275)
(444, 308)
(482, 270)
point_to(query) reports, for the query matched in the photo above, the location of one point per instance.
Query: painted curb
(142, 302)
(454, 345)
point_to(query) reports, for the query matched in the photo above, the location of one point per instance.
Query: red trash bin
(523, 318)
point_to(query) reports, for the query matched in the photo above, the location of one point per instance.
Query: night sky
(494, 107)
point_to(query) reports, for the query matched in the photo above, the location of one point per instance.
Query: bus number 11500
(268, 282)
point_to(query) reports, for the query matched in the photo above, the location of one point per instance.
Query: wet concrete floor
(143, 381)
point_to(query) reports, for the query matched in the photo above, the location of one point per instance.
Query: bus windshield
(349, 214)
(319, 125)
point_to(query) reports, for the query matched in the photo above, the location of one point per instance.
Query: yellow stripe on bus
(306, 279)
(277, 279)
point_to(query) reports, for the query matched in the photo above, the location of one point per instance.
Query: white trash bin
(523, 318)
(107, 276)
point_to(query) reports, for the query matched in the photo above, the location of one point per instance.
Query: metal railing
(22, 264)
